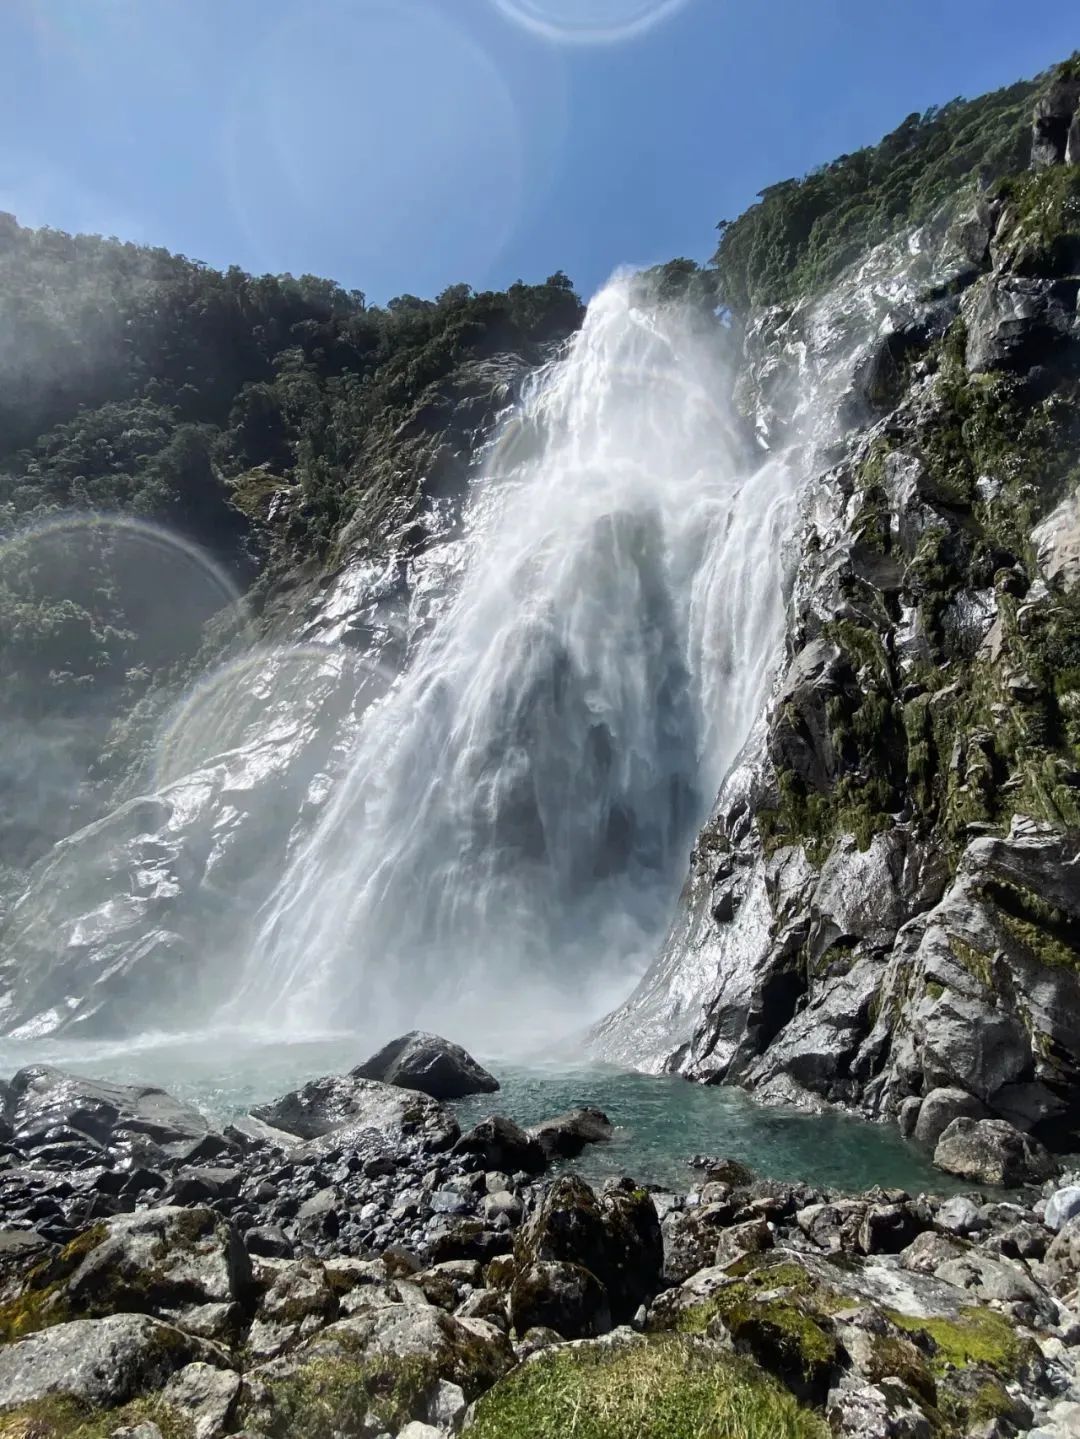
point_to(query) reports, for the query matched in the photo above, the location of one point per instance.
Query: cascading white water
(505, 846)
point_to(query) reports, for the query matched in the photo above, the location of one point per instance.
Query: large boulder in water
(500, 1144)
(338, 1106)
(992, 1151)
(566, 1135)
(430, 1064)
(44, 1105)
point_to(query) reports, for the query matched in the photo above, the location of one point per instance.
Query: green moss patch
(667, 1387)
(68, 1419)
(978, 1336)
(331, 1397)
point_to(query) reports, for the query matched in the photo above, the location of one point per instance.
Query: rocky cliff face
(885, 902)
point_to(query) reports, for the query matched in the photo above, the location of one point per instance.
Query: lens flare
(137, 549)
(589, 22)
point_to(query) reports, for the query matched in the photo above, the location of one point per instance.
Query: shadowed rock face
(429, 1064)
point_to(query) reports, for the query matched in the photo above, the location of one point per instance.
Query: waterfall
(502, 852)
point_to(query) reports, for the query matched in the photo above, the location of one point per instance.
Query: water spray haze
(501, 854)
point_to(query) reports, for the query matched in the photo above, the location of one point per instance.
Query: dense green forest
(802, 233)
(149, 386)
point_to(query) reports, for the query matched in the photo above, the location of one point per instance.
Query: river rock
(42, 1099)
(566, 1135)
(206, 1396)
(959, 1215)
(615, 1235)
(343, 1106)
(993, 1152)
(427, 1063)
(1063, 1205)
(100, 1362)
(499, 1144)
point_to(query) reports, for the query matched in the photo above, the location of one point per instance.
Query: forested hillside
(803, 232)
(247, 414)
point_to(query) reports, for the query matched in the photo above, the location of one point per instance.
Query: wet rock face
(335, 1103)
(427, 1063)
(882, 912)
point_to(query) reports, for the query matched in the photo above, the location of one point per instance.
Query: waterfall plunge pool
(660, 1120)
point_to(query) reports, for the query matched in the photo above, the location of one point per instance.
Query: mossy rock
(330, 1397)
(42, 1301)
(977, 1336)
(665, 1387)
(63, 1418)
(778, 1313)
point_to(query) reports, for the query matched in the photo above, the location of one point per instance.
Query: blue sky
(403, 145)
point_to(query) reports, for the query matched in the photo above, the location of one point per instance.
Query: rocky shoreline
(345, 1262)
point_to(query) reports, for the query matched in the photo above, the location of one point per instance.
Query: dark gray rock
(268, 1242)
(1015, 322)
(566, 1135)
(553, 1294)
(427, 1063)
(615, 1235)
(498, 1143)
(41, 1099)
(991, 1151)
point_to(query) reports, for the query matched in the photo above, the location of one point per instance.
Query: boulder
(959, 1215)
(1063, 1205)
(940, 1107)
(560, 1296)
(342, 1107)
(500, 1145)
(752, 1237)
(98, 1362)
(885, 1410)
(993, 1152)
(565, 1136)
(615, 1235)
(690, 1238)
(185, 1265)
(468, 1352)
(41, 1099)
(1062, 1259)
(206, 1396)
(427, 1063)
(888, 1228)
